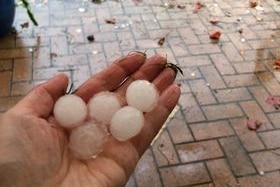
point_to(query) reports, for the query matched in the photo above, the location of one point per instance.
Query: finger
(149, 71)
(40, 100)
(164, 79)
(156, 118)
(110, 78)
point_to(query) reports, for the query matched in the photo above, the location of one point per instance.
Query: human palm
(34, 148)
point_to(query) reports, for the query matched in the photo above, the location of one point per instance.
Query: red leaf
(273, 101)
(215, 34)
(253, 124)
(197, 7)
(277, 62)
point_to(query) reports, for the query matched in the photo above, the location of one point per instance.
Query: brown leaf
(253, 3)
(181, 6)
(215, 34)
(214, 21)
(161, 41)
(90, 38)
(110, 21)
(253, 124)
(24, 25)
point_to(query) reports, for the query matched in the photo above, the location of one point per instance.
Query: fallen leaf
(273, 101)
(24, 25)
(181, 6)
(161, 41)
(214, 21)
(215, 34)
(110, 21)
(90, 38)
(240, 30)
(253, 3)
(197, 7)
(52, 54)
(277, 62)
(253, 124)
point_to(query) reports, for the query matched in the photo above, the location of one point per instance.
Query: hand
(34, 148)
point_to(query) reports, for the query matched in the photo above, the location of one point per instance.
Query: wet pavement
(227, 84)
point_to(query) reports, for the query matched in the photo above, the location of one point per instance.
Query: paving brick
(80, 75)
(214, 112)
(260, 94)
(178, 47)
(252, 110)
(164, 151)
(249, 139)
(126, 40)
(22, 70)
(194, 61)
(236, 40)
(5, 82)
(96, 63)
(266, 160)
(190, 108)
(21, 88)
(231, 52)
(262, 44)
(222, 64)
(202, 150)
(268, 179)
(146, 169)
(15, 53)
(212, 77)
(275, 118)
(131, 182)
(6, 65)
(211, 130)
(188, 36)
(220, 172)
(69, 61)
(202, 92)
(184, 175)
(269, 82)
(42, 58)
(204, 49)
(271, 138)
(237, 157)
(178, 129)
(249, 67)
(8, 102)
(241, 80)
(231, 95)
(59, 45)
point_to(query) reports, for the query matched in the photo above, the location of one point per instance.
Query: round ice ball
(142, 95)
(126, 123)
(102, 106)
(86, 141)
(70, 111)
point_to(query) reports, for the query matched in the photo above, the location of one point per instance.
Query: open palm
(33, 148)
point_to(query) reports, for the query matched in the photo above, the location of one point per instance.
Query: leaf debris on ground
(90, 38)
(215, 34)
(110, 21)
(253, 124)
(197, 7)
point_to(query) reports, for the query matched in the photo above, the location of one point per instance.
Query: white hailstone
(86, 141)
(126, 123)
(102, 106)
(142, 95)
(70, 111)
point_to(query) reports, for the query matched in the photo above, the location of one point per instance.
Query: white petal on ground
(126, 123)
(102, 106)
(86, 141)
(70, 111)
(142, 95)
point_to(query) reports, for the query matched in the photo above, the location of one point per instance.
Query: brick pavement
(206, 143)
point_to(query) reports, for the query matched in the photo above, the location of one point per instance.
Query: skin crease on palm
(34, 148)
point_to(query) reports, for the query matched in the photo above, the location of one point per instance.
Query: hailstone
(142, 95)
(86, 141)
(126, 123)
(102, 106)
(70, 111)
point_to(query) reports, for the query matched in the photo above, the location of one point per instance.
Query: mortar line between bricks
(191, 162)
(208, 171)
(156, 166)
